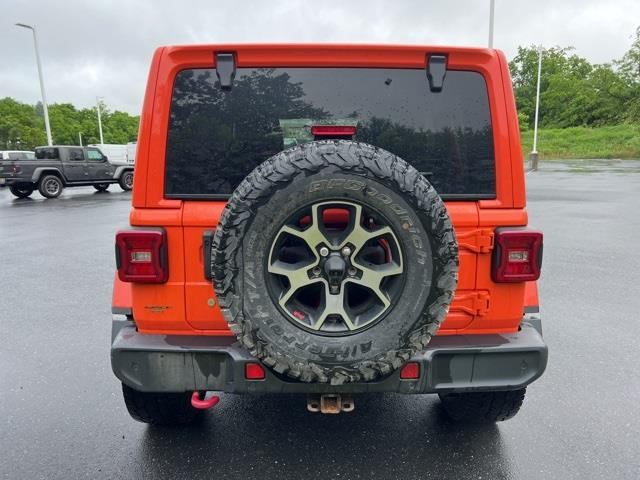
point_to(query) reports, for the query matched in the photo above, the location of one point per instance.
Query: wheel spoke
(297, 275)
(312, 235)
(372, 277)
(334, 305)
(359, 236)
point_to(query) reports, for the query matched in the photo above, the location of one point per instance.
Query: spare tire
(334, 261)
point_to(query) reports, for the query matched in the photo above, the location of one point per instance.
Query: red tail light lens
(517, 255)
(333, 130)
(410, 371)
(141, 256)
(254, 371)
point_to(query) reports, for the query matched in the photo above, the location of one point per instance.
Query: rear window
(49, 153)
(216, 137)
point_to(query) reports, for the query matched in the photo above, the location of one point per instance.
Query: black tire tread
(483, 407)
(123, 186)
(277, 172)
(165, 409)
(21, 192)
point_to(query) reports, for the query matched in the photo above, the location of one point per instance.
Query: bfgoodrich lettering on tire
(334, 261)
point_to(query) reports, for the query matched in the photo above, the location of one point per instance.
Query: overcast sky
(103, 47)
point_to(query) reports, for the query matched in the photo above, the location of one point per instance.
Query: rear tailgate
(479, 305)
(463, 154)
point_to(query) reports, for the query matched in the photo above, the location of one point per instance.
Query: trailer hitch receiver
(330, 403)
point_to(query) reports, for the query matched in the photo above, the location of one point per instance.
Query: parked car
(387, 249)
(17, 155)
(131, 151)
(57, 167)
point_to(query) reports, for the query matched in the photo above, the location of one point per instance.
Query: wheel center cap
(335, 268)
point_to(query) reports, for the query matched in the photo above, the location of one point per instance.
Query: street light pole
(41, 77)
(99, 120)
(80, 137)
(533, 156)
(492, 5)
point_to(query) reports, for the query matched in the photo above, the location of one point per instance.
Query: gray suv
(56, 167)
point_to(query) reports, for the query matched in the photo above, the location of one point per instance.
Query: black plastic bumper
(161, 363)
(8, 181)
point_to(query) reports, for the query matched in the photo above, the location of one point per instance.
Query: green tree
(19, 126)
(22, 125)
(574, 92)
(629, 68)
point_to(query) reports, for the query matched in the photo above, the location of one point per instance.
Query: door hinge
(474, 303)
(226, 69)
(436, 71)
(207, 242)
(478, 241)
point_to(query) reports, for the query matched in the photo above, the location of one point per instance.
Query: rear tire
(50, 186)
(126, 181)
(21, 191)
(160, 408)
(101, 187)
(483, 407)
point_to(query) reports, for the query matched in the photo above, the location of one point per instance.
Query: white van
(17, 155)
(116, 153)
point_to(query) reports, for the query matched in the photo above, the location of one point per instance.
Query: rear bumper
(459, 363)
(8, 181)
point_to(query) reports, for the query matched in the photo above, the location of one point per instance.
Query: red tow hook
(203, 404)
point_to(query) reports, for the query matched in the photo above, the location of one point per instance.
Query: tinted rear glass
(47, 153)
(217, 137)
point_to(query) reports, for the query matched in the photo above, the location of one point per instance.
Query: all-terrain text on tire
(327, 220)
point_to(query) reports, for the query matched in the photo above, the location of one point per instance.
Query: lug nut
(324, 251)
(352, 271)
(316, 271)
(346, 251)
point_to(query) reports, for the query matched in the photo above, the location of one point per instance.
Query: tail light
(254, 371)
(141, 256)
(333, 130)
(410, 371)
(517, 255)
(16, 169)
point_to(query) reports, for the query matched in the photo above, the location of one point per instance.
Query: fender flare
(39, 171)
(120, 170)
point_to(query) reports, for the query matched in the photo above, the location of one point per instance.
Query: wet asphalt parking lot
(63, 415)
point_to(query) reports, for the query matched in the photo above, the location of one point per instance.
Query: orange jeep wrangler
(327, 220)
